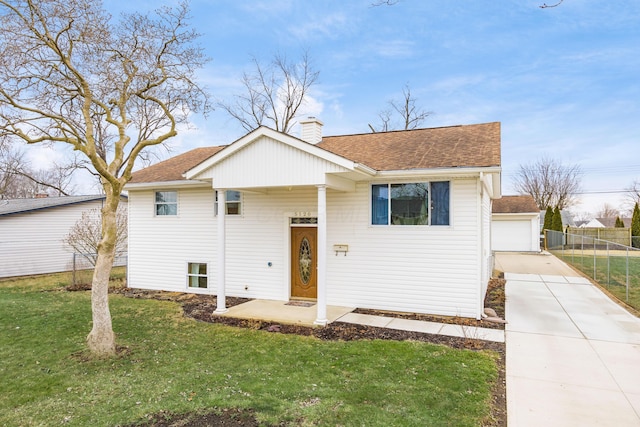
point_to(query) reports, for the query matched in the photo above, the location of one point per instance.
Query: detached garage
(515, 224)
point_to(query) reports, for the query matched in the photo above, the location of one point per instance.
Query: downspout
(481, 248)
(221, 303)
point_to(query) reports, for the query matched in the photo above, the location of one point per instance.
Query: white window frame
(198, 275)
(156, 203)
(240, 202)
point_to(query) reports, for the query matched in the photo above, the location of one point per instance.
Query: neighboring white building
(32, 233)
(605, 223)
(593, 223)
(515, 224)
(394, 220)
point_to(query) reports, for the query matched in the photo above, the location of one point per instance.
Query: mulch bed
(201, 307)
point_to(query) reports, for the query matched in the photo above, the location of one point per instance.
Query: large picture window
(166, 203)
(233, 205)
(421, 203)
(197, 275)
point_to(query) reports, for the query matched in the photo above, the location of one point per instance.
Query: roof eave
(59, 205)
(183, 183)
(365, 169)
(454, 171)
(518, 214)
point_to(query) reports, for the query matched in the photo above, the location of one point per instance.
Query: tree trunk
(101, 339)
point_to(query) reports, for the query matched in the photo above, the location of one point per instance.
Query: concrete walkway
(305, 314)
(473, 332)
(573, 355)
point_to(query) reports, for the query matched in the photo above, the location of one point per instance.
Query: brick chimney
(42, 195)
(311, 130)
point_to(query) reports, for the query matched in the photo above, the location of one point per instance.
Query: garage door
(511, 236)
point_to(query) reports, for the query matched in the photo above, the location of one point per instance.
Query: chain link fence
(82, 267)
(614, 266)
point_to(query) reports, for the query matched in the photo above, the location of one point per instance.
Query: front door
(303, 262)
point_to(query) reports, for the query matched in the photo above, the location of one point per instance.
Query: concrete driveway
(573, 355)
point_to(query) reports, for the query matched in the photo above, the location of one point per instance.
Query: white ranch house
(394, 221)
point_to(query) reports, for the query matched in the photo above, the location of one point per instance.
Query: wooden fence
(621, 236)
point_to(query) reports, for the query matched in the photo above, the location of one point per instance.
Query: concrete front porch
(290, 312)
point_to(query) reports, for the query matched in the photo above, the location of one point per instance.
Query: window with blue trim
(422, 203)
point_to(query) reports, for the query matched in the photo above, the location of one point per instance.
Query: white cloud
(328, 26)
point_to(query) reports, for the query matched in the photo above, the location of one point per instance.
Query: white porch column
(221, 306)
(322, 256)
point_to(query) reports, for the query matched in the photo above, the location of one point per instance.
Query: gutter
(184, 183)
(455, 171)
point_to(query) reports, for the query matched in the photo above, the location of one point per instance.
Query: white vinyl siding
(32, 242)
(161, 246)
(261, 237)
(416, 269)
(486, 256)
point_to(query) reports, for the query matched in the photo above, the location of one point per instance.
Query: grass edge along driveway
(179, 365)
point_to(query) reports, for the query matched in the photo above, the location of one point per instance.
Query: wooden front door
(304, 274)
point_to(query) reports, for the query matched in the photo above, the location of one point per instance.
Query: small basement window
(197, 275)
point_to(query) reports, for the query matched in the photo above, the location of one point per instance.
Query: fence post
(594, 259)
(608, 266)
(627, 274)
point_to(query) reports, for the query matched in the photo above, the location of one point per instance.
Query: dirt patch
(201, 307)
(222, 418)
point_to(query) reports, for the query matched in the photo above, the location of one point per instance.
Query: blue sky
(564, 81)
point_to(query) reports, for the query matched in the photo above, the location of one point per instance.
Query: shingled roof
(515, 204)
(16, 206)
(444, 147)
(172, 169)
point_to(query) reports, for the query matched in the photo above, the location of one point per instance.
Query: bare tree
(549, 182)
(607, 211)
(273, 93)
(110, 90)
(410, 115)
(633, 194)
(19, 180)
(85, 235)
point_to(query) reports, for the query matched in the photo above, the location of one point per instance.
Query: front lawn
(172, 364)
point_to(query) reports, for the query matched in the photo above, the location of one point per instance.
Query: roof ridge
(409, 130)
